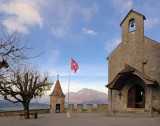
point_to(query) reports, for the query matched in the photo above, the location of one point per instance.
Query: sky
(86, 30)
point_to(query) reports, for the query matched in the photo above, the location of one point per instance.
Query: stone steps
(134, 114)
(136, 110)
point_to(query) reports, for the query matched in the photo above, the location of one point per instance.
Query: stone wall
(18, 112)
(56, 100)
(101, 108)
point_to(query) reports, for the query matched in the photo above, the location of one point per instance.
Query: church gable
(133, 24)
(132, 11)
(134, 49)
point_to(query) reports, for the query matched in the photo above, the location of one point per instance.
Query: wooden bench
(22, 115)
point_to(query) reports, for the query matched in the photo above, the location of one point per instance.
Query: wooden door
(132, 97)
(143, 100)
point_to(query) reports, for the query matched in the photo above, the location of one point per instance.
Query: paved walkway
(79, 119)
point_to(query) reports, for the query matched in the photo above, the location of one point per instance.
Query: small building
(134, 69)
(57, 99)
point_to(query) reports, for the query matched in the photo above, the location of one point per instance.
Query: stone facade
(142, 54)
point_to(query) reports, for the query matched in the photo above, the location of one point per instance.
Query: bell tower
(57, 98)
(133, 24)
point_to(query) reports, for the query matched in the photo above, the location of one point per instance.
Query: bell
(132, 23)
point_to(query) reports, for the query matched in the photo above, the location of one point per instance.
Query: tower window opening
(132, 25)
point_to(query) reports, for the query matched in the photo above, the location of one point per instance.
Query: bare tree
(13, 48)
(23, 86)
(15, 85)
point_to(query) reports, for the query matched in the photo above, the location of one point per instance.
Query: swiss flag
(74, 65)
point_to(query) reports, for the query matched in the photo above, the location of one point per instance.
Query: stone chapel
(134, 69)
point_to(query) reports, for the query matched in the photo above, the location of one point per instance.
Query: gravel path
(79, 119)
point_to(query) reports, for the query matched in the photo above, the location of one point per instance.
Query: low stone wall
(101, 108)
(18, 112)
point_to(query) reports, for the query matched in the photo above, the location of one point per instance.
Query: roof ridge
(57, 91)
(134, 12)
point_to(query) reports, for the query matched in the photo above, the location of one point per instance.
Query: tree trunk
(26, 110)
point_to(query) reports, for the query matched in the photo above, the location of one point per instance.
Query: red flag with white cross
(74, 65)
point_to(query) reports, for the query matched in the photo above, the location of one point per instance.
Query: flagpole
(69, 78)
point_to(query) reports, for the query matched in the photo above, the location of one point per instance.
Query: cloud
(86, 76)
(19, 14)
(87, 12)
(65, 13)
(149, 23)
(111, 45)
(78, 83)
(59, 15)
(60, 31)
(53, 57)
(89, 31)
(85, 71)
(123, 5)
(150, 9)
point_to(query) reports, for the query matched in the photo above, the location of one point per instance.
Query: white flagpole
(69, 77)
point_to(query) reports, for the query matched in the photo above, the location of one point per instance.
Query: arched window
(132, 25)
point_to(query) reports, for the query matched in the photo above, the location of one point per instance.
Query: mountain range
(84, 96)
(8, 106)
(87, 96)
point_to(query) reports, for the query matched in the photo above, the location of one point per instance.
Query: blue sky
(86, 30)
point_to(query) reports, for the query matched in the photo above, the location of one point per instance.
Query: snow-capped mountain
(87, 96)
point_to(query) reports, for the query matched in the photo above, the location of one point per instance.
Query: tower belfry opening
(132, 26)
